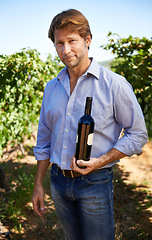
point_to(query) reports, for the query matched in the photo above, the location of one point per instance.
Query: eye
(73, 40)
(59, 43)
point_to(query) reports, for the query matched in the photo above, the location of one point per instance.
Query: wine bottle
(85, 133)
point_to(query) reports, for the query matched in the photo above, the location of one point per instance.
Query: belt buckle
(71, 173)
(63, 172)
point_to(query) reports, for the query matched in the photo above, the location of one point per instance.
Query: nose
(66, 48)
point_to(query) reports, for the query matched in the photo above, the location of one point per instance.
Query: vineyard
(134, 61)
(23, 77)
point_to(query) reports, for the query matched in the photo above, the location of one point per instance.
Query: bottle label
(90, 139)
(77, 139)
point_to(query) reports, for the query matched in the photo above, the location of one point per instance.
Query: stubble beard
(78, 61)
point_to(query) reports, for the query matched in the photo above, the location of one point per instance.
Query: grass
(17, 195)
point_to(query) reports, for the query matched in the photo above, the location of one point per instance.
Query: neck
(76, 72)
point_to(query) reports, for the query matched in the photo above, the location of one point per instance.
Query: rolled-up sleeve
(42, 149)
(128, 113)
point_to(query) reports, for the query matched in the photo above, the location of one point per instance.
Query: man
(83, 197)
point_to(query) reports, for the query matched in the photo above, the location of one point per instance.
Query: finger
(38, 205)
(73, 159)
(42, 207)
(43, 210)
(74, 164)
(81, 163)
(36, 208)
(76, 168)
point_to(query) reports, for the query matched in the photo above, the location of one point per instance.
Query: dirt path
(137, 170)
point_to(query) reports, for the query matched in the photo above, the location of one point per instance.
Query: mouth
(68, 58)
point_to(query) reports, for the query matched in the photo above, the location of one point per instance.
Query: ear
(88, 41)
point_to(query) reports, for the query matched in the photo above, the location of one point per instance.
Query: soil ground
(132, 198)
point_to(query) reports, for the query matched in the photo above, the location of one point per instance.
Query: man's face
(71, 48)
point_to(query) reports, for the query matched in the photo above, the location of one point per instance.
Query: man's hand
(90, 165)
(94, 163)
(38, 200)
(38, 193)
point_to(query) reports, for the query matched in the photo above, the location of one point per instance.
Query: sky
(25, 23)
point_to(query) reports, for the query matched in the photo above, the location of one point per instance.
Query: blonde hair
(73, 19)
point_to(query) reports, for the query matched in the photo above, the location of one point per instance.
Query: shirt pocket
(102, 117)
(78, 111)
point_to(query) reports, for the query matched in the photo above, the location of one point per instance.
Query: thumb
(42, 207)
(81, 163)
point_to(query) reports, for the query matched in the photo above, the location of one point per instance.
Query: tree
(134, 61)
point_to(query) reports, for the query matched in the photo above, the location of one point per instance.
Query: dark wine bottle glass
(85, 133)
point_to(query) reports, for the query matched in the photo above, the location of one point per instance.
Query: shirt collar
(62, 74)
(94, 69)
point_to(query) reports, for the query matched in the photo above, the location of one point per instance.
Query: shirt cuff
(41, 154)
(128, 147)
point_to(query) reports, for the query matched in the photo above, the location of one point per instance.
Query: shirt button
(63, 163)
(65, 147)
(68, 114)
(66, 130)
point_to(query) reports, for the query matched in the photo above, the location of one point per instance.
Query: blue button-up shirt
(114, 108)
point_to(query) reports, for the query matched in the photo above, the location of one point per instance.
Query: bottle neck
(88, 105)
(87, 111)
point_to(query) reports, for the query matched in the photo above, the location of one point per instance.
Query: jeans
(84, 205)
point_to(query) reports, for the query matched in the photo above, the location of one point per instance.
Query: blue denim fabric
(84, 205)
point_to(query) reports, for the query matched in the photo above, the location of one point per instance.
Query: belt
(72, 174)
